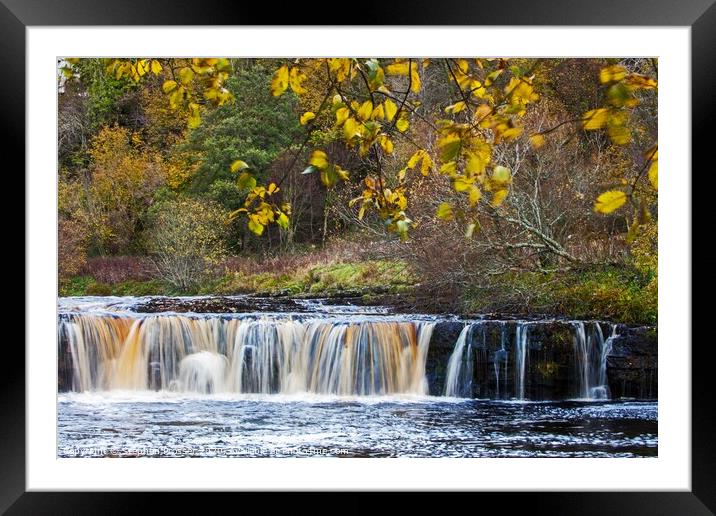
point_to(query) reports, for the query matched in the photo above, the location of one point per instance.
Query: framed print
(430, 249)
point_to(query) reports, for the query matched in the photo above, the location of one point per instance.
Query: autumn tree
(186, 240)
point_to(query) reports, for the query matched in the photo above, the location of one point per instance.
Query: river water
(131, 425)
(337, 384)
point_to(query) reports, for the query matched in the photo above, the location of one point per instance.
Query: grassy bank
(325, 279)
(616, 293)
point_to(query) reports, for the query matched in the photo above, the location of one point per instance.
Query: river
(337, 381)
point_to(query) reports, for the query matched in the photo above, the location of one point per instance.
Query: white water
(590, 351)
(456, 374)
(246, 355)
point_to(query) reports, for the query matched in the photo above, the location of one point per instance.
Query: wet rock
(442, 344)
(219, 305)
(632, 365)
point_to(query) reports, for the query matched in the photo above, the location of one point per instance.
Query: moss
(140, 288)
(546, 369)
(76, 286)
(99, 289)
(622, 294)
(89, 286)
(375, 276)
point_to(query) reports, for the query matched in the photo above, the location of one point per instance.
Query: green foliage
(104, 92)
(256, 128)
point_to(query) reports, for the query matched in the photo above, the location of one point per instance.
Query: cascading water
(458, 383)
(209, 354)
(525, 359)
(521, 343)
(591, 351)
(500, 359)
(113, 355)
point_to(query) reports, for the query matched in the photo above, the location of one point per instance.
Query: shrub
(186, 240)
(72, 247)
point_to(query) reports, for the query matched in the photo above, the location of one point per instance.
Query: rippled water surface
(169, 425)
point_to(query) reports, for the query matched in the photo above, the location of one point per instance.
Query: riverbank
(616, 293)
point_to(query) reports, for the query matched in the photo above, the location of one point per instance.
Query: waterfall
(208, 354)
(591, 351)
(526, 360)
(458, 383)
(521, 343)
(500, 358)
(290, 353)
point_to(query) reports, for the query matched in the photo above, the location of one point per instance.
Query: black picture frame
(700, 15)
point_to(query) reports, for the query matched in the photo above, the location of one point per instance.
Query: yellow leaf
(511, 133)
(169, 86)
(255, 226)
(307, 117)
(617, 128)
(378, 113)
(537, 140)
(455, 108)
(272, 188)
(175, 97)
(445, 212)
(340, 66)
(238, 165)
(397, 68)
(475, 195)
(449, 147)
(341, 115)
(482, 111)
(351, 128)
(612, 73)
(282, 220)
(246, 181)
(610, 201)
(498, 196)
(478, 156)
(595, 119)
(318, 159)
(186, 75)
(415, 158)
(194, 119)
(462, 183)
(297, 77)
(390, 110)
(636, 81)
(279, 83)
(414, 78)
(449, 168)
(402, 125)
(501, 175)
(654, 174)
(142, 67)
(426, 164)
(387, 144)
(365, 110)
(156, 67)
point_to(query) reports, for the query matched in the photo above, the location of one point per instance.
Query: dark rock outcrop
(632, 365)
(553, 360)
(218, 305)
